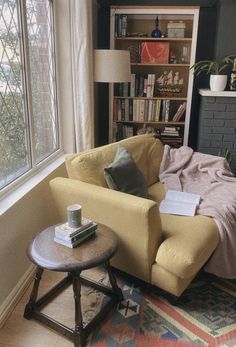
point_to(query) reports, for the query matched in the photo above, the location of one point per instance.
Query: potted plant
(226, 154)
(216, 70)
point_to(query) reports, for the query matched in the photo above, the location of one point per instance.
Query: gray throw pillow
(124, 175)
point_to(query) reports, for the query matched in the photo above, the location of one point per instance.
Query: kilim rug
(205, 315)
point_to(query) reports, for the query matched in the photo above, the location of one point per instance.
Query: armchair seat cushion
(187, 241)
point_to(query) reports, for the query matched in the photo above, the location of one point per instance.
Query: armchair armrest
(135, 220)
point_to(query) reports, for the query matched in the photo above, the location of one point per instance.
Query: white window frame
(14, 191)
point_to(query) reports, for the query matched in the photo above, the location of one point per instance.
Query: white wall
(34, 212)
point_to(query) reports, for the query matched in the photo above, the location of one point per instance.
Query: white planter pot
(218, 82)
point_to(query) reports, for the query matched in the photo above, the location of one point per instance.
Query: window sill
(14, 195)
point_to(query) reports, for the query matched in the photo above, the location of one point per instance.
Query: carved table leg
(78, 332)
(29, 308)
(117, 291)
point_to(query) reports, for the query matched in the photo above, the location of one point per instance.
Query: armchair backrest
(88, 166)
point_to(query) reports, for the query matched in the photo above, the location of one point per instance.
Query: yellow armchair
(164, 250)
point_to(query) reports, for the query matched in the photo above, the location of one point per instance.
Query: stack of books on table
(72, 237)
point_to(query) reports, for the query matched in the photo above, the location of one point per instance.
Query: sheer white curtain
(82, 70)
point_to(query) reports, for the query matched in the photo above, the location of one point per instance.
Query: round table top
(48, 254)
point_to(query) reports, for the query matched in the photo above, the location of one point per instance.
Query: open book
(181, 203)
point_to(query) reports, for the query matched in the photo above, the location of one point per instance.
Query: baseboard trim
(13, 298)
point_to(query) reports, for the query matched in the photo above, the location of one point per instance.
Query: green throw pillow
(124, 175)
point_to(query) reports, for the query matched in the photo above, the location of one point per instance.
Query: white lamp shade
(111, 65)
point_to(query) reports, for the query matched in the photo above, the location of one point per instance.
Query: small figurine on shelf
(185, 55)
(170, 78)
(156, 32)
(172, 57)
(176, 78)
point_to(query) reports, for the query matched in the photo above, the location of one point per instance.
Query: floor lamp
(110, 66)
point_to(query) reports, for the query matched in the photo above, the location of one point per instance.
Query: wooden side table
(47, 254)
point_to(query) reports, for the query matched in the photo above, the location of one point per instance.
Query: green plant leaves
(226, 154)
(213, 67)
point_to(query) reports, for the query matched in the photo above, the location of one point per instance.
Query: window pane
(42, 76)
(14, 156)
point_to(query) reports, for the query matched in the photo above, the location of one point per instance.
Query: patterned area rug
(205, 315)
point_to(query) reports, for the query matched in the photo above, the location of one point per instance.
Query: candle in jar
(74, 216)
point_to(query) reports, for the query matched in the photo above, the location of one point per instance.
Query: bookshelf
(159, 95)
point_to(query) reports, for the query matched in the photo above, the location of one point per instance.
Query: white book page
(174, 195)
(176, 207)
(180, 203)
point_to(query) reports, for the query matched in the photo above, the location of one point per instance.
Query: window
(28, 113)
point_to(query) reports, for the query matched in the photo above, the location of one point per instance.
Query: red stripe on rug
(225, 338)
(224, 284)
(182, 320)
(150, 341)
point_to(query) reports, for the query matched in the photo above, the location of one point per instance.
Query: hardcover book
(65, 230)
(158, 110)
(77, 236)
(155, 52)
(77, 240)
(180, 112)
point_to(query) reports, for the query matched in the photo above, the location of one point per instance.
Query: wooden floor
(20, 332)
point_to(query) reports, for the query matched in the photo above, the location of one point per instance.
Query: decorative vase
(218, 82)
(156, 32)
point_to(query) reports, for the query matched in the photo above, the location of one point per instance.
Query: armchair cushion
(124, 175)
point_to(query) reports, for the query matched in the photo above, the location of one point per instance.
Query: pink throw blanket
(182, 169)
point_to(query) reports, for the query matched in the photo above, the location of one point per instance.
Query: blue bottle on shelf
(156, 32)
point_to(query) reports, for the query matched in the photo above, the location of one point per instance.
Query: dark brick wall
(217, 126)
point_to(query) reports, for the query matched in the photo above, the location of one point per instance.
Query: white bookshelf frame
(187, 11)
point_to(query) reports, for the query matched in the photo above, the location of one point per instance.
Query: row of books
(123, 131)
(121, 25)
(180, 112)
(72, 237)
(142, 110)
(137, 110)
(140, 85)
(150, 85)
(169, 135)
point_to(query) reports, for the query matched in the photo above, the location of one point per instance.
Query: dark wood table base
(79, 334)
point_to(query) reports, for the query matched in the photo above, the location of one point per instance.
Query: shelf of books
(162, 46)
